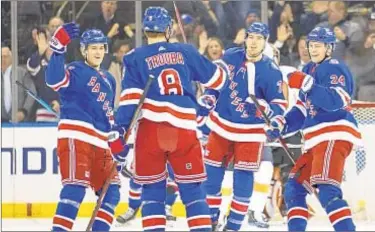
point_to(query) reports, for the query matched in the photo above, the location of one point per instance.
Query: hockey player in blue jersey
(87, 95)
(167, 128)
(236, 126)
(329, 129)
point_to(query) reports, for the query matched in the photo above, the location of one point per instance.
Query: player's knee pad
(112, 197)
(73, 193)
(243, 182)
(294, 192)
(328, 193)
(155, 192)
(191, 192)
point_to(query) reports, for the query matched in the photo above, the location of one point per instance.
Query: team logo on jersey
(241, 71)
(188, 166)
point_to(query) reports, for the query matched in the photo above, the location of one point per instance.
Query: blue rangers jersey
(87, 98)
(171, 97)
(236, 119)
(324, 112)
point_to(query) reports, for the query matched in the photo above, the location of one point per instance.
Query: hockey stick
(268, 122)
(281, 140)
(180, 25)
(133, 122)
(38, 99)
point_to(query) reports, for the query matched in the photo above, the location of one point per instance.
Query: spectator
(199, 10)
(238, 41)
(25, 102)
(214, 49)
(36, 65)
(303, 54)
(315, 14)
(349, 34)
(120, 48)
(282, 31)
(366, 64)
(108, 21)
(228, 19)
(54, 23)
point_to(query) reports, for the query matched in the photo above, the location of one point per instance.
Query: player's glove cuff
(56, 46)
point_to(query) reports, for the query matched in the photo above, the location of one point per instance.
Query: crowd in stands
(211, 26)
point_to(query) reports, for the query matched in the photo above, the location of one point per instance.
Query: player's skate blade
(257, 220)
(127, 216)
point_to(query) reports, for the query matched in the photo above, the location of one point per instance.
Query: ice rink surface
(179, 225)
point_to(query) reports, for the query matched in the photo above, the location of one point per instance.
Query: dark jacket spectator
(36, 66)
(25, 102)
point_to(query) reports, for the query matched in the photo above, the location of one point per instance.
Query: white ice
(180, 225)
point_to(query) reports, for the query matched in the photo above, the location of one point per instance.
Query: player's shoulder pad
(129, 57)
(235, 51)
(270, 63)
(334, 65)
(187, 48)
(75, 65)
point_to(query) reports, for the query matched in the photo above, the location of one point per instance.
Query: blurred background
(211, 26)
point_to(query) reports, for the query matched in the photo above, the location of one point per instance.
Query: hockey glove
(300, 80)
(265, 107)
(276, 127)
(62, 37)
(119, 149)
(206, 104)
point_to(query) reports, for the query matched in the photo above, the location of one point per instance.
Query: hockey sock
(153, 209)
(295, 200)
(212, 186)
(262, 180)
(197, 211)
(242, 189)
(104, 217)
(171, 198)
(135, 191)
(71, 197)
(338, 211)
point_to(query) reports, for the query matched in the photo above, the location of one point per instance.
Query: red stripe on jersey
(131, 96)
(236, 130)
(61, 221)
(156, 221)
(239, 206)
(339, 214)
(200, 119)
(199, 221)
(64, 81)
(219, 80)
(166, 109)
(332, 129)
(85, 130)
(299, 212)
(105, 216)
